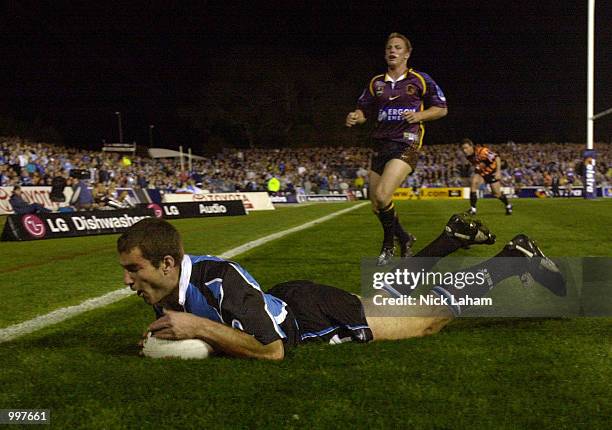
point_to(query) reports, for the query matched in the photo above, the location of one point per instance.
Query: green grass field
(476, 373)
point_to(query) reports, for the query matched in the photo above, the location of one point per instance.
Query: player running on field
(399, 100)
(487, 169)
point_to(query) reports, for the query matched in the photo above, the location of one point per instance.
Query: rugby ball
(187, 349)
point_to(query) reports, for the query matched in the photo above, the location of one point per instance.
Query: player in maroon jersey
(487, 169)
(399, 100)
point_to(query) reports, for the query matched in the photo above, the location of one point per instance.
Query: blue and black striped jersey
(223, 291)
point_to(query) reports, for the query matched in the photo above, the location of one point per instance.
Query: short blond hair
(395, 35)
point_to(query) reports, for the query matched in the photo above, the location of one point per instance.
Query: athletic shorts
(490, 178)
(386, 150)
(324, 313)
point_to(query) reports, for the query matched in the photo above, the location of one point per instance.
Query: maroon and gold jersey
(483, 160)
(387, 100)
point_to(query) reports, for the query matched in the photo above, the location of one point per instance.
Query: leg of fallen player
(525, 258)
(460, 231)
(405, 327)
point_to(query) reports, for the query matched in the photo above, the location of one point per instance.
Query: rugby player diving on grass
(219, 302)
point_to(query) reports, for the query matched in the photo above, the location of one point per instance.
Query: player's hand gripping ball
(186, 349)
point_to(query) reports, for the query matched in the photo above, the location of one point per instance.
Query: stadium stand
(315, 170)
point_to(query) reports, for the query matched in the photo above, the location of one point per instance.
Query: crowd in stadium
(309, 170)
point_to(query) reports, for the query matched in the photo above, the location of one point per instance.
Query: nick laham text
(431, 300)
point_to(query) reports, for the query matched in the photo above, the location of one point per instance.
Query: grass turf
(39, 276)
(476, 373)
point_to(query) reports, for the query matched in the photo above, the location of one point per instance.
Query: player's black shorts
(386, 150)
(324, 313)
(490, 178)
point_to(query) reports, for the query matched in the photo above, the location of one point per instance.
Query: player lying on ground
(487, 169)
(215, 300)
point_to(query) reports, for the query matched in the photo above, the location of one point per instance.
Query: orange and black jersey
(484, 160)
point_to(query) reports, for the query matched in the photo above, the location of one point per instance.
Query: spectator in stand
(190, 187)
(103, 175)
(100, 195)
(82, 198)
(4, 178)
(21, 207)
(273, 185)
(24, 178)
(118, 199)
(142, 181)
(58, 184)
(548, 180)
(555, 184)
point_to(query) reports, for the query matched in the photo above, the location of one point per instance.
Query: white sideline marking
(62, 314)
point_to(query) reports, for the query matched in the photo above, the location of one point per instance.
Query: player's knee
(433, 327)
(429, 326)
(274, 351)
(379, 201)
(382, 197)
(429, 330)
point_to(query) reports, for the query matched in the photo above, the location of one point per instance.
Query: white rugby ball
(187, 349)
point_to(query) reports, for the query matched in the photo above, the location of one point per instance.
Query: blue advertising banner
(590, 187)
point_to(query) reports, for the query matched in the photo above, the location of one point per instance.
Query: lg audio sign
(55, 225)
(195, 210)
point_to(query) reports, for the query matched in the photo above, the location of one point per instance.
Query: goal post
(590, 156)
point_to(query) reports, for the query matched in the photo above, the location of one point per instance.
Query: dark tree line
(36, 130)
(272, 101)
